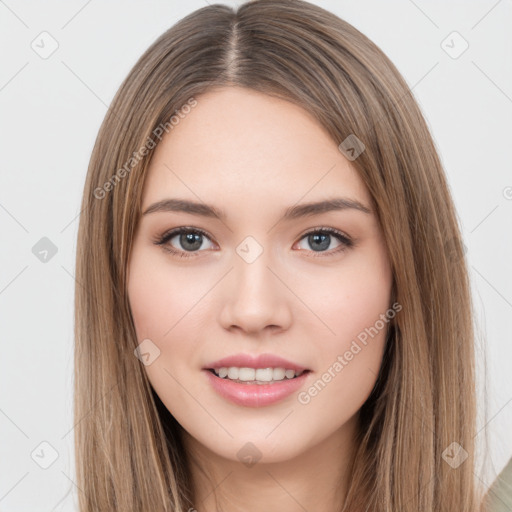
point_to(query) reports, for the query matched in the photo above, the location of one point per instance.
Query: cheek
(168, 307)
(355, 309)
(162, 298)
(351, 297)
(162, 304)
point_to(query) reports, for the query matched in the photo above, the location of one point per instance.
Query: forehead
(239, 144)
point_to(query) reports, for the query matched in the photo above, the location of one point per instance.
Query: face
(265, 275)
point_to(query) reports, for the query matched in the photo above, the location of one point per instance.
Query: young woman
(273, 310)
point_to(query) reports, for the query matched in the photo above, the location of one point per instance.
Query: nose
(256, 298)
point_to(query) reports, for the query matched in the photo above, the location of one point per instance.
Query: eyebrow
(293, 212)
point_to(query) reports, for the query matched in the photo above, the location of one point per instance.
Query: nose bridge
(256, 296)
(252, 274)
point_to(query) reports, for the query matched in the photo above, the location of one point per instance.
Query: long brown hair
(129, 454)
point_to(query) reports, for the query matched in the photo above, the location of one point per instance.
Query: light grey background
(51, 109)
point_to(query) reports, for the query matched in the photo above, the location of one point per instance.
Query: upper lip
(256, 361)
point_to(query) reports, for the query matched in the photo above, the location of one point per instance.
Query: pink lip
(259, 361)
(255, 395)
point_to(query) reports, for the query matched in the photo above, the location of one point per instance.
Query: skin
(253, 156)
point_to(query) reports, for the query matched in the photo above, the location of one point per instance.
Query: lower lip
(255, 395)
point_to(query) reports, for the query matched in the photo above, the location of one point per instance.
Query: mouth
(255, 380)
(256, 387)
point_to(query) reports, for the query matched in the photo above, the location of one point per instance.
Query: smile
(254, 392)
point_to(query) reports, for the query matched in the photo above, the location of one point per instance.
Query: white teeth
(289, 374)
(244, 374)
(259, 374)
(233, 373)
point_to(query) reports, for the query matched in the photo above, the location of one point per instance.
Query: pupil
(191, 238)
(324, 241)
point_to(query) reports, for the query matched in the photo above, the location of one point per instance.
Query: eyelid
(171, 233)
(325, 229)
(346, 242)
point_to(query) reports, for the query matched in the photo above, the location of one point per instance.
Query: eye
(190, 239)
(321, 239)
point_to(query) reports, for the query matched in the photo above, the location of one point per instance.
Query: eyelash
(346, 242)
